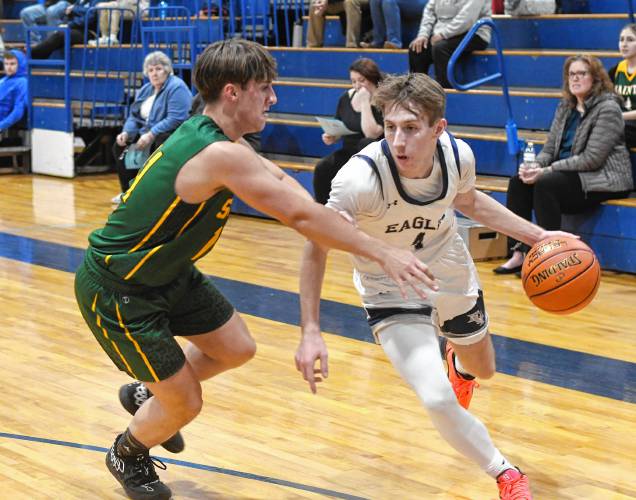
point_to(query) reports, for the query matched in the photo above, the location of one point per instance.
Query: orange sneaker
(513, 485)
(462, 387)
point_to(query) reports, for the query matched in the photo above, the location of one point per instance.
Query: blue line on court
(193, 465)
(576, 370)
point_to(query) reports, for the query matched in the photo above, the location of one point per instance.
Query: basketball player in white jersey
(404, 190)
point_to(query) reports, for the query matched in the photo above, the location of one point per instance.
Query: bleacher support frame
(511, 125)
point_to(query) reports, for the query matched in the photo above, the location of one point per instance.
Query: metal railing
(630, 10)
(511, 125)
(291, 12)
(216, 19)
(170, 30)
(64, 64)
(104, 61)
(270, 22)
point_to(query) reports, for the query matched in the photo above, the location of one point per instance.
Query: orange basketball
(561, 275)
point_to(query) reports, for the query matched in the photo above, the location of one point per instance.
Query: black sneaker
(132, 396)
(137, 475)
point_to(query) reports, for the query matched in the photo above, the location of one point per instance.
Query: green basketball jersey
(153, 235)
(625, 85)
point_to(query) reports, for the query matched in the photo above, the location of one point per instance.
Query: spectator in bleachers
(387, 21)
(76, 15)
(623, 76)
(529, 7)
(443, 26)
(13, 90)
(584, 160)
(161, 105)
(357, 113)
(48, 12)
(109, 19)
(318, 9)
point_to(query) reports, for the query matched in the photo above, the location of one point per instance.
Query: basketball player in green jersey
(138, 286)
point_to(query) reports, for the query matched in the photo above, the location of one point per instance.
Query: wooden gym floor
(562, 407)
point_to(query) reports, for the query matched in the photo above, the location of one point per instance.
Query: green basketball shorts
(136, 325)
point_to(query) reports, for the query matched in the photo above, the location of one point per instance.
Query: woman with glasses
(584, 160)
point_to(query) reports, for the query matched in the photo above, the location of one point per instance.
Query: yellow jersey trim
(142, 262)
(149, 163)
(156, 227)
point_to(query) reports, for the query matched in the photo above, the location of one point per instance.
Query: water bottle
(297, 34)
(529, 155)
(163, 9)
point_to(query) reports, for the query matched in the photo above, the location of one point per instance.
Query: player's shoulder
(226, 151)
(464, 151)
(358, 175)
(362, 168)
(357, 184)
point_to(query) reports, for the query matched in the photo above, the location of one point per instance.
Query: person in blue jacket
(161, 105)
(13, 89)
(76, 15)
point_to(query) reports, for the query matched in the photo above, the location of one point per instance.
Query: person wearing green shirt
(138, 286)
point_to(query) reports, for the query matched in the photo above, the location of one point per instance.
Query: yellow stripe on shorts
(105, 333)
(137, 346)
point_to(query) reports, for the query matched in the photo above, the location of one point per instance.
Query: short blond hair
(416, 92)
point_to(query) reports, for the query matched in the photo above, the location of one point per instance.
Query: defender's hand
(407, 270)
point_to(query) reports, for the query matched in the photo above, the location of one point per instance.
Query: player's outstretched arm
(225, 164)
(482, 208)
(312, 346)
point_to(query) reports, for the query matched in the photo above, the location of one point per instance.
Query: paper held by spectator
(333, 126)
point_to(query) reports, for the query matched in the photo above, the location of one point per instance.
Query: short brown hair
(631, 27)
(232, 61)
(601, 83)
(415, 92)
(367, 68)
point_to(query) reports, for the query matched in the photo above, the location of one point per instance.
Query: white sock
(498, 465)
(460, 368)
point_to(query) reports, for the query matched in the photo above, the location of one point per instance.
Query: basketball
(561, 275)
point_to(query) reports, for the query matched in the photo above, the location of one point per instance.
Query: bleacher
(99, 81)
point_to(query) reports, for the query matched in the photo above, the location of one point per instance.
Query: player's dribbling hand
(544, 235)
(406, 269)
(311, 349)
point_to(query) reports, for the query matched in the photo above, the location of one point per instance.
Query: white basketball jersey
(414, 214)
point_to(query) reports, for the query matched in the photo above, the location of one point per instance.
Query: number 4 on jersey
(417, 242)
